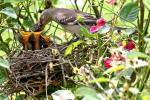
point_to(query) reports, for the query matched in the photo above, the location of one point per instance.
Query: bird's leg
(25, 40)
(37, 36)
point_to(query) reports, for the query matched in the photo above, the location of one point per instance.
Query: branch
(95, 9)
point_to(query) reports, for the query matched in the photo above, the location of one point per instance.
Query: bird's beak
(45, 41)
(25, 39)
(37, 27)
(37, 36)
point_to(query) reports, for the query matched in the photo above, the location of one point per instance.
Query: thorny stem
(140, 25)
(142, 42)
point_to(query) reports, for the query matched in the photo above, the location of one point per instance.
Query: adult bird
(67, 18)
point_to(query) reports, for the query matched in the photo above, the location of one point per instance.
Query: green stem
(28, 11)
(99, 43)
(75, 1)
(144, 81)
(141, 15)
(140, 25)
(147, 24)
(95, 8)
(84, 5)
(101, 8)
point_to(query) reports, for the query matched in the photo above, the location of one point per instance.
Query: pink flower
(94, 29)
(100, 22)
(107, 62)
(112, 2)
(129, 45)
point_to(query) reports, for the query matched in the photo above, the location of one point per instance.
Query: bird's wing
(64, 17)
(67, 16)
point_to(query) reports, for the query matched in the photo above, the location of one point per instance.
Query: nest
(32, 71)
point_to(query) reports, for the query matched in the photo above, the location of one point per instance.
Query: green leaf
(65, 94)
(13, 1)
(129, 12)
(130, 31)
(104, 29)
(8, 40)
(4, 47)
(136, 54)
(9, 12)
(101, 79)
(114, 69)
(27, 22)
(87, 93)
(72, 46)
(4, 63)
(86, 33)
(3, 75)
(126, 73)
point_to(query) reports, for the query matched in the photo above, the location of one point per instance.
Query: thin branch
(84, 5)
(75, 1)
(141, 15)
(95, 8)
(46, 81)
(147, 24)
(101, 8)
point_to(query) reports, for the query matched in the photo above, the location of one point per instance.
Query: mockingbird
(67, 18)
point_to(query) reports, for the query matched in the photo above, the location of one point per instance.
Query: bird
(45, 41)
(39, 41)
(25, 40)
(34, 40)
(67, 18)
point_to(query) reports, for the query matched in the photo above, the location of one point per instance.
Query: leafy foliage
(9, 12)
(111, 62)
(87, 93)
(129, 12)
(72, 46)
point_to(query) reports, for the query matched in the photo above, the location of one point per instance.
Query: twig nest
(30, 69)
